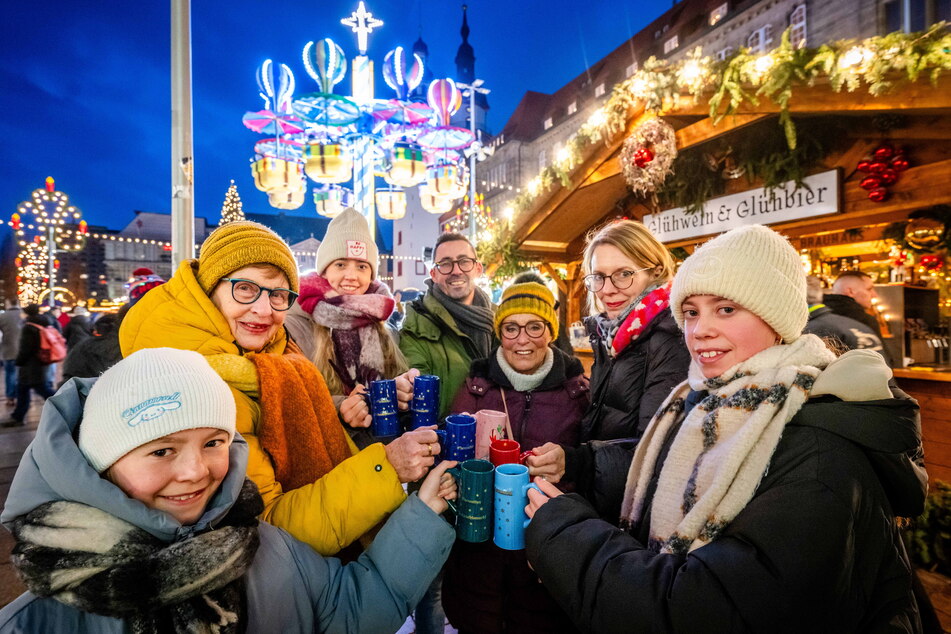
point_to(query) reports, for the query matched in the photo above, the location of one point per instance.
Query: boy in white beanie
(148, 524)
(763, 494)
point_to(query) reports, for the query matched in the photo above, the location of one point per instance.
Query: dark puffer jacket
(487, 589)
(817, 549)
(626, 390)
(32, 371)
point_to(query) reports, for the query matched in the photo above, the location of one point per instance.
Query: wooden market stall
(851, 228)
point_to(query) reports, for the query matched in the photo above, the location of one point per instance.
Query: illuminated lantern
(15, 221)
(273, 174)
(327, 162)
(445, 181)
(391, 203)
(407, 167)
(434, 204)
(330, 201)
(286, 198)
(83, 227)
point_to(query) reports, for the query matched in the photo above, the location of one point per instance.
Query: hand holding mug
(354, 409)
(438, 487)
(548, 462)
(404, 388)
(536, 500)
(413, 453)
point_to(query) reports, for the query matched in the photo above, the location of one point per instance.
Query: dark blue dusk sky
(85, 83)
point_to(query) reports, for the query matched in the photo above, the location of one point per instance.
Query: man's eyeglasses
(534, 329)
(247, 292)
(621, 279)
(445, 266)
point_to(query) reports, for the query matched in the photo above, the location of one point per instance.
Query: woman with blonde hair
(339, 322)
(639, 356)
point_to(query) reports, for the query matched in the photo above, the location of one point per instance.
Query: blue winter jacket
(289, 587)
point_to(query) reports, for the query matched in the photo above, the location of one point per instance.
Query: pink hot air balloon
(444, 98)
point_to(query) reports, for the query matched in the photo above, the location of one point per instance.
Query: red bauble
(870, 182)
(863, 165)
(900, 163)
(878, 194)
(876, 167)
(888, 176)
(884, 152)
(643, 156)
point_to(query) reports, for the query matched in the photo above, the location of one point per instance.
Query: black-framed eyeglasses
(247, 292)
(534, 329)
(621, 279)
(445, 266)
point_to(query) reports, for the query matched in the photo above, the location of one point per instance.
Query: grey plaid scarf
(98, 563)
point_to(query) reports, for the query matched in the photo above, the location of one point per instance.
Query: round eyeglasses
(445, 266)
(620, 279)
(247, 292)
(533, 329)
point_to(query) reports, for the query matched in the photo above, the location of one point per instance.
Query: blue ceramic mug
(511, 496)
(425, 400)
(460, 437)
(383, 408)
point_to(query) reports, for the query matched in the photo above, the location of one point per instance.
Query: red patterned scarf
(649, 306)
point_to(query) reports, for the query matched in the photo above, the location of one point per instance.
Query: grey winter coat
(289, 587)
(10, 324)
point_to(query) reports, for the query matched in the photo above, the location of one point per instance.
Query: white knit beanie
(753, 266)
(152, 393)
(347, 237)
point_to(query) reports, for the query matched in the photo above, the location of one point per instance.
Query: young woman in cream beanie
(763, 494)
(339, 322)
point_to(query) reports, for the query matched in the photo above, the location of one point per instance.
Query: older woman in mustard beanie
(340, 319)
(764, 493)
(544, 393)
(230, 305)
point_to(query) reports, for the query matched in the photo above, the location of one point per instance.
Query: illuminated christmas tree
(231, 210)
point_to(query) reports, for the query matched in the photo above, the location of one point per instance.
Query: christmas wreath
(647, 156)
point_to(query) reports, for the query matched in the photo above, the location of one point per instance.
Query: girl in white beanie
(147, 523)
(339, 322)
(763, 494)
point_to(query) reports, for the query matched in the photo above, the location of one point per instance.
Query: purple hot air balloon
(444, 98)
(397, 76)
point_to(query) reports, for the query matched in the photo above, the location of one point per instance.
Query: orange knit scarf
(299, 429)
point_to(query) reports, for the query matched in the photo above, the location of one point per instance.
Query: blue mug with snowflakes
(425, 400)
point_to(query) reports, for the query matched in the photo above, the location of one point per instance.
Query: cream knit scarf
(724, 445)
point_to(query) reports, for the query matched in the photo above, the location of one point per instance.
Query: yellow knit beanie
(530, 297)
(239, 244)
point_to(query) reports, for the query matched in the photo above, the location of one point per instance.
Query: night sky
(86, 83)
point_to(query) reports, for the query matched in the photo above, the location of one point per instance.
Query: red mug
(505, 451)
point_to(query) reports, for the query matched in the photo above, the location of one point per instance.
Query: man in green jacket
(444, 331)
(451, 324)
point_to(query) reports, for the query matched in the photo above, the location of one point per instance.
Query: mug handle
(456, 473)
(525, 489)
(522, 457)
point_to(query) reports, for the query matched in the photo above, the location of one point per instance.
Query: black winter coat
(848, 307)
(817, 549)
(77, 330)
(626, 390)
(31, 370)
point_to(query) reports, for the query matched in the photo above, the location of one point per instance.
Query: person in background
(32, 375)
(487, 589)
(639, 356)
(11, 321)
(851, 296)
(155, 528)
(339, 322)
(230, 305)
(58, 319)
(79, 327)
(98, 353)
(445, 330)
(845, 331)
(763, 496)
(144, 279)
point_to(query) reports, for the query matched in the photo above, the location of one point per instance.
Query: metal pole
(183, 163)
(50, 261)
(472, 165)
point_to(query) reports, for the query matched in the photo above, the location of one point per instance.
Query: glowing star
(362, 23)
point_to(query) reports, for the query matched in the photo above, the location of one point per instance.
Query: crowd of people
(738, 460)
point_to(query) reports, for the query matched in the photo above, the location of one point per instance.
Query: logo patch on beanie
(357, 249)
(151, 408)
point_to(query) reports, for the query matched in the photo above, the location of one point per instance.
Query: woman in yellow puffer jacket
(229, 305)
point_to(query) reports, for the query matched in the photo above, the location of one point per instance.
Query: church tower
(465, 73)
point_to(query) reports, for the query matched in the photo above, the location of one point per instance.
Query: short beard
(458, 293)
